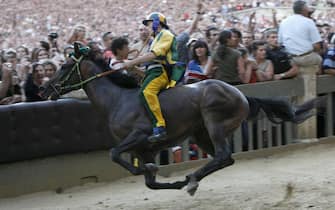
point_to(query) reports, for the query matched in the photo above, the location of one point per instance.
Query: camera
(8, 65)
(125, 35)
(53, 35)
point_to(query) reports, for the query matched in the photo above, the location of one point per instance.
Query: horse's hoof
(152, 168)
(228, 162)
(192, 187)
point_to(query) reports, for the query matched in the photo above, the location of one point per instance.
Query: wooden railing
(262, 133)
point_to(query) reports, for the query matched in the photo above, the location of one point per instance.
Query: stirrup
(158, 138)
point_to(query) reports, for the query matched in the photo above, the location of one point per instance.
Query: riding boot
(159, 135)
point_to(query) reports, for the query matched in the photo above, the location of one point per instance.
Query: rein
(82, 82)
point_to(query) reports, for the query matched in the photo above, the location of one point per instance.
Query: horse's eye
(41, 88)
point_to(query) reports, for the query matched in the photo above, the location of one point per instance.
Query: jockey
(162, 71)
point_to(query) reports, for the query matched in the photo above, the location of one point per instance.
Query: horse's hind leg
(222, 154)
(132, 140)
(150, 178)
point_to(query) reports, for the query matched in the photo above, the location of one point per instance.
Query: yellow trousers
(155, 80)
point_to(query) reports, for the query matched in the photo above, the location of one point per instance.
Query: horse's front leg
(222, 153)
(128, 144)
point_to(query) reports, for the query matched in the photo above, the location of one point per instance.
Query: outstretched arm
(274, 18)
(194, 24)
(145, 58)
(251, 27)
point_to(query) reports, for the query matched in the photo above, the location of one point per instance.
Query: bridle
(60, 87)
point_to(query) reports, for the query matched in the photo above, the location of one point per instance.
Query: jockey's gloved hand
(172, 84)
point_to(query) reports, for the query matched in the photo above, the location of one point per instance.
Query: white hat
(191, 41)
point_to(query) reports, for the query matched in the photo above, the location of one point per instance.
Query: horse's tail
(279, 110)
(276, 109)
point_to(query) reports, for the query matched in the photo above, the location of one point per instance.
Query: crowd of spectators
(39, 35)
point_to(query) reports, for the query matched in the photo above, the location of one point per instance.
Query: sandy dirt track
(302, 179)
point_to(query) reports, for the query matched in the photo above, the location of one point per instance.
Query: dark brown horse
(209, 111)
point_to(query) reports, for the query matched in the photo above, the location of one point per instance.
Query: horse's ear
(77, 49)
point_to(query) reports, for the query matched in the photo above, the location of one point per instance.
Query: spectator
(42, 54)
(21, 51)
(53, 43)
(45, 45)
(10, 91)
(195, 68)
(283, 68)
(34, 54)
(247, 39)
(34, 81)
(328, 64)
(39, 54)
(107, 39)
(120, 49)
(264, 67)
(68, 49)
(10, 57)
(19, 72)
(212, 33)
(24, 68)
(227, 64)
(237, 38)
(50, 68)
(142, 46)
(302, 43)
(78, 34)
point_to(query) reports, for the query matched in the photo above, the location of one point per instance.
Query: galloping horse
(209, 111)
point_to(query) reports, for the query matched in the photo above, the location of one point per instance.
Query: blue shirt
(194, 72)
(329, 60)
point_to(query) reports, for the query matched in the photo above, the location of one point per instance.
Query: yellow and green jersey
(164, 46)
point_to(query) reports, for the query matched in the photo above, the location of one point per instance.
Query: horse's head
(69, 77)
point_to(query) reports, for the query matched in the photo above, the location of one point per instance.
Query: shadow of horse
(209, 111)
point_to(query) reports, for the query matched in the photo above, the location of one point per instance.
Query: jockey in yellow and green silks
(163, 71)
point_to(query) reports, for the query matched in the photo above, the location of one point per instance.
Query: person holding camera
(10, 91)
(54, 50)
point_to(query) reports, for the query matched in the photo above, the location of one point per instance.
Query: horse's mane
(99, 61)
(118, 78)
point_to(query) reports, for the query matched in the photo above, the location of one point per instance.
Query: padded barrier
(48, 128)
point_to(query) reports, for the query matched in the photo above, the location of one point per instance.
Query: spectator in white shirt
(300, 36)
